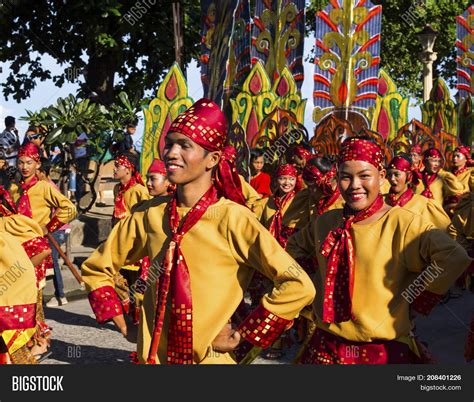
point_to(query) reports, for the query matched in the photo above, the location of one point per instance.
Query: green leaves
(71, 116)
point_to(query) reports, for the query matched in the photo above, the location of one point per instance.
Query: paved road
(78, 339)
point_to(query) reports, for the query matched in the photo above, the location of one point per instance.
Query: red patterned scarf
(339, 248)
(120, 209)
(393, 199)
(276, 227)
(175, 277)
(324, 182)
(24, 206)
(5, 198)
(428, 180)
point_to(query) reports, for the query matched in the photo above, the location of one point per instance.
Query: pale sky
(46, 93)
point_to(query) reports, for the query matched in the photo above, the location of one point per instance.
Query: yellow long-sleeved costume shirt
(221, 252)
(465, 178)
(43, 199)
(391, 259)
(134, 195)
(462, 225)
(250, 194)
(18, 291)
(430, 211)
(445, 185)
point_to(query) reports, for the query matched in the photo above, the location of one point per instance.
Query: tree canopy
(105, 45)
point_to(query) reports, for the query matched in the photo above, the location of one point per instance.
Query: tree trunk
(100, 76)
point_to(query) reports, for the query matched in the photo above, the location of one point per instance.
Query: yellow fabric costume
(462, 225)
(445, 185)
(389, 256)
(44, 198)
(221, 250)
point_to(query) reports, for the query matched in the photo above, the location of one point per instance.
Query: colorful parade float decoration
(253, 68)
(465, 75)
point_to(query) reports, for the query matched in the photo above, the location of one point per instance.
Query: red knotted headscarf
(120, 209)
(429, 178)
(157, 166)
(466, 151)
(205, 124)
(302, 153)
(30, 150)
(323, 181)
(338, 246)
(416, 149)
(400, 163)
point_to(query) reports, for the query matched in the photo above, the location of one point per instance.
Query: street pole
(427, 38)
(178, 35)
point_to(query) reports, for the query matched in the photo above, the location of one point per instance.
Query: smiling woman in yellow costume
(400, 176)
(204, 248)
(369, 254)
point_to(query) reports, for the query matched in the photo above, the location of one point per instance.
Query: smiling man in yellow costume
(204, 248)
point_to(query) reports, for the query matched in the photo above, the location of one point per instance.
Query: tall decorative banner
(439, 111)
(465, 53)
(171, 99)
(391, 108)
(347, 57)
(278, 37)
(466, 122)
(208, 26)
(239, 64)
(221, 41)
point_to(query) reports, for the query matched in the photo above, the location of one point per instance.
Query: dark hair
(4, 179)
(406, 156)
(9, 121)
(323, 163)
(256, 153)
(45, 166)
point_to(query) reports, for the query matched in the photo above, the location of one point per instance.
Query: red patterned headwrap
(122, 160)
(465, 150)
(416, 149)
(400, 163)
(30, 150)
(432, 153)
(323, 181)
(157, 166)
(359, 149)
(287, 170)
(205, 124)
(302, 152)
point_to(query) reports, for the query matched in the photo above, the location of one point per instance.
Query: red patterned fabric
(425, 302)
(326, 348)
(262, 328)
(287, 170)
(427, 180)
(457, 172)
(5, 198)
(205, 124)
(175, 278)
(432, 153)
(105, 303)
(302, 153)
(416, 149)
(21, 316)
(395, 200)
(276, 226)
(24, 206)
(54, 224)
(338, 247)
(30, 150)
(324, 182)
(34, 247)
(157, 166)
(120, 209)
(261, 184)
(358, 149)
(465, 150)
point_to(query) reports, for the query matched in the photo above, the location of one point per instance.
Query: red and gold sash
(24, 206)
(401, 201)
(428, 179)
(276, 226)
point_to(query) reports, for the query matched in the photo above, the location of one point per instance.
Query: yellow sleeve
(259, 206)
(253, 246)
(302, 243)
(139, 194)
(65, 210)
(125, 245)
(21, 227)
(249, 193)
(435, 214)
(451, 185)
(437, 260)
(462, 225)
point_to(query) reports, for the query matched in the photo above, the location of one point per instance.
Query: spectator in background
(9, 141)
(127, 144)
(260, 181)
(33, 135)
(60, 236)
(81, 162)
